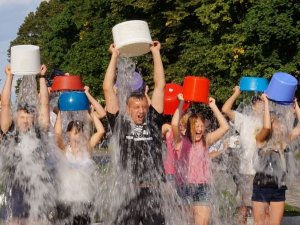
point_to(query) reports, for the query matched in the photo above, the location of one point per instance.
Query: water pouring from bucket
(28, 157)
(286, 83)
(132, 38)
(137, 167)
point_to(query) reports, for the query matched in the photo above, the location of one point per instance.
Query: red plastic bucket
(171, 101)
(196, 89)
(67, 83)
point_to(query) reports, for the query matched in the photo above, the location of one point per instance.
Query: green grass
(290, 210)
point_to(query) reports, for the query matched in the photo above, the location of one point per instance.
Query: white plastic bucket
(132, 38)
(25, 60)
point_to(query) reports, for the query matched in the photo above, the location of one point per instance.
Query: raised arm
(6, 114)
(44, 115)
(262, 135)
(96, 137)
(110, 96)
(157, 100)
(165, 129)
(176, 119)
(98, 108)
(58, 132)
(227, 107)
(296, 130)
(223, 125)
(147, 95)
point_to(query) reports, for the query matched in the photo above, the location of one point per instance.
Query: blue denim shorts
(195, 194)
(268, 194)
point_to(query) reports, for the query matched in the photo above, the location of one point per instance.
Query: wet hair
(75, 124)
(184, 118)
(255, 99)
(190, 127)
(137, 95)
(29, 109)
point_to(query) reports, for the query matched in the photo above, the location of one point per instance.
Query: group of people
(140, 133)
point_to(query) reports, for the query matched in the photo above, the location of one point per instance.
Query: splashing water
(28, 165)
(135, 179)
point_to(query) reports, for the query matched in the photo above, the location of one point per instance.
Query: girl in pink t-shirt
(193, 163)
(170, 158)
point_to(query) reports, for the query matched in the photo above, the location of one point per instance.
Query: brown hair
(76, 124)
(190, 128)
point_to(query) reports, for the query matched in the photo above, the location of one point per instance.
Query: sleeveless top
(193, 163)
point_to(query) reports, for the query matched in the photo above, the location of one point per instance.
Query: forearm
(227, 107)
(157, 100)
(57, 125)
(99, 132)
(98, 108)
(266, 129)
(267, 117)
(110, 74)
(110, 96)
(159, 74)
(175, 121)
(44, 117)
(6, 92)
(223, 124)
(6, 116)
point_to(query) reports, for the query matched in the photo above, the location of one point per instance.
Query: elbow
(160, 85)
(225, 129)
(106, 87)
(225, 110)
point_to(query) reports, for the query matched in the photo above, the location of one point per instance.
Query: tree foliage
(221, 40)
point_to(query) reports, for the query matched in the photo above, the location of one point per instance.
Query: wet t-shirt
(140, 145)
(271, 167)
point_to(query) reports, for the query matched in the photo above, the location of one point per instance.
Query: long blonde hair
(191, 129)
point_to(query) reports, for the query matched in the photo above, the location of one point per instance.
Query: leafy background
(219, 39)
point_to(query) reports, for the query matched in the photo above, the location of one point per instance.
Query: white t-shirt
(248, 127)
(76, 178)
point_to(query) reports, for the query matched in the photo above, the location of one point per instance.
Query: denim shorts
(19, 207)
(268, 194)
(195, 194)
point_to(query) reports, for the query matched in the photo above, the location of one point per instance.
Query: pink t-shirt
(169, 162)
(193, 163)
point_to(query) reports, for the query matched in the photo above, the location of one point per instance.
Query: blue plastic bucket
(282, 88)
(73, 101)
(258, 84)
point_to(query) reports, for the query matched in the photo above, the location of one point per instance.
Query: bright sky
(12, 15)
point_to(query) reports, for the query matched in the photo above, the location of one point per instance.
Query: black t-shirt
(140, 145)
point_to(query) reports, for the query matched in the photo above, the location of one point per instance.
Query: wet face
(137, 109)
(75, 136)
(258, 107)
(24, 121)
(199, 130)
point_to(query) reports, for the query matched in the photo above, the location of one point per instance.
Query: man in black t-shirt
(140, 142)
